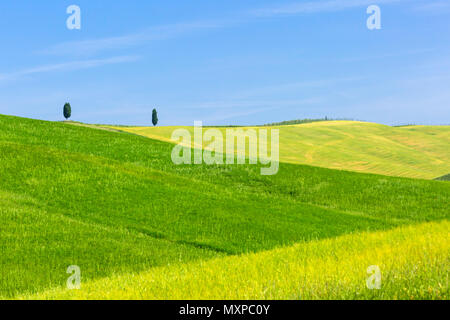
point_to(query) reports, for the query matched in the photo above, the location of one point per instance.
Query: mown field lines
(412, 151)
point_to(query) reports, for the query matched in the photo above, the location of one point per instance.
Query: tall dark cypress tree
(154, 117)
(67, 111)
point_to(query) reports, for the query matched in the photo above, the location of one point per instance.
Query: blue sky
(226, 61)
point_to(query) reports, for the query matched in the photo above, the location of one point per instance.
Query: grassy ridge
(38, 245)
(377, 196)
(444, 178)
(114, 203)
(413, 151)
(413, 262)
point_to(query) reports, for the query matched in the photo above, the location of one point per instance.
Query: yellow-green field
(414, 262)
(139, 226)
(410, 151)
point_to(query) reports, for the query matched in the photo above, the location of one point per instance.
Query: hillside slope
(444, 178)
(325, 269)
(114, 203)
(411, 151)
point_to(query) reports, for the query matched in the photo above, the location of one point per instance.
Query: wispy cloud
(239, 104)
(239, 114)
(434, 7)
(389, 55)
(67, 66)
(318, 6)
(93, 46)
(295, 86)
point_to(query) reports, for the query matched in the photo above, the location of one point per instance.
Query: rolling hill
(325, 269)
(410, 151)
(114, 204)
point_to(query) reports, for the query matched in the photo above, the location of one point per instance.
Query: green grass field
(138, 226)
(410, 151)
(324, 269)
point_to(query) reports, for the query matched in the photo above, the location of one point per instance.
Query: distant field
(411, 151)
(114, 204)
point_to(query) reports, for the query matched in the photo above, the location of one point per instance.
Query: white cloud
(67, 66)
(228, 115)
(93, 46)
(319, 6)
(240, 104)
(295, 86)
(388, 55)
(434, 7)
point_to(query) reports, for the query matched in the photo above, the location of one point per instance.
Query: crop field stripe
(324, 269)
(416, 152)
(38, 245)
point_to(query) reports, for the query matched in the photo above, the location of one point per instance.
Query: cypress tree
(154, 117)
(67, 111)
